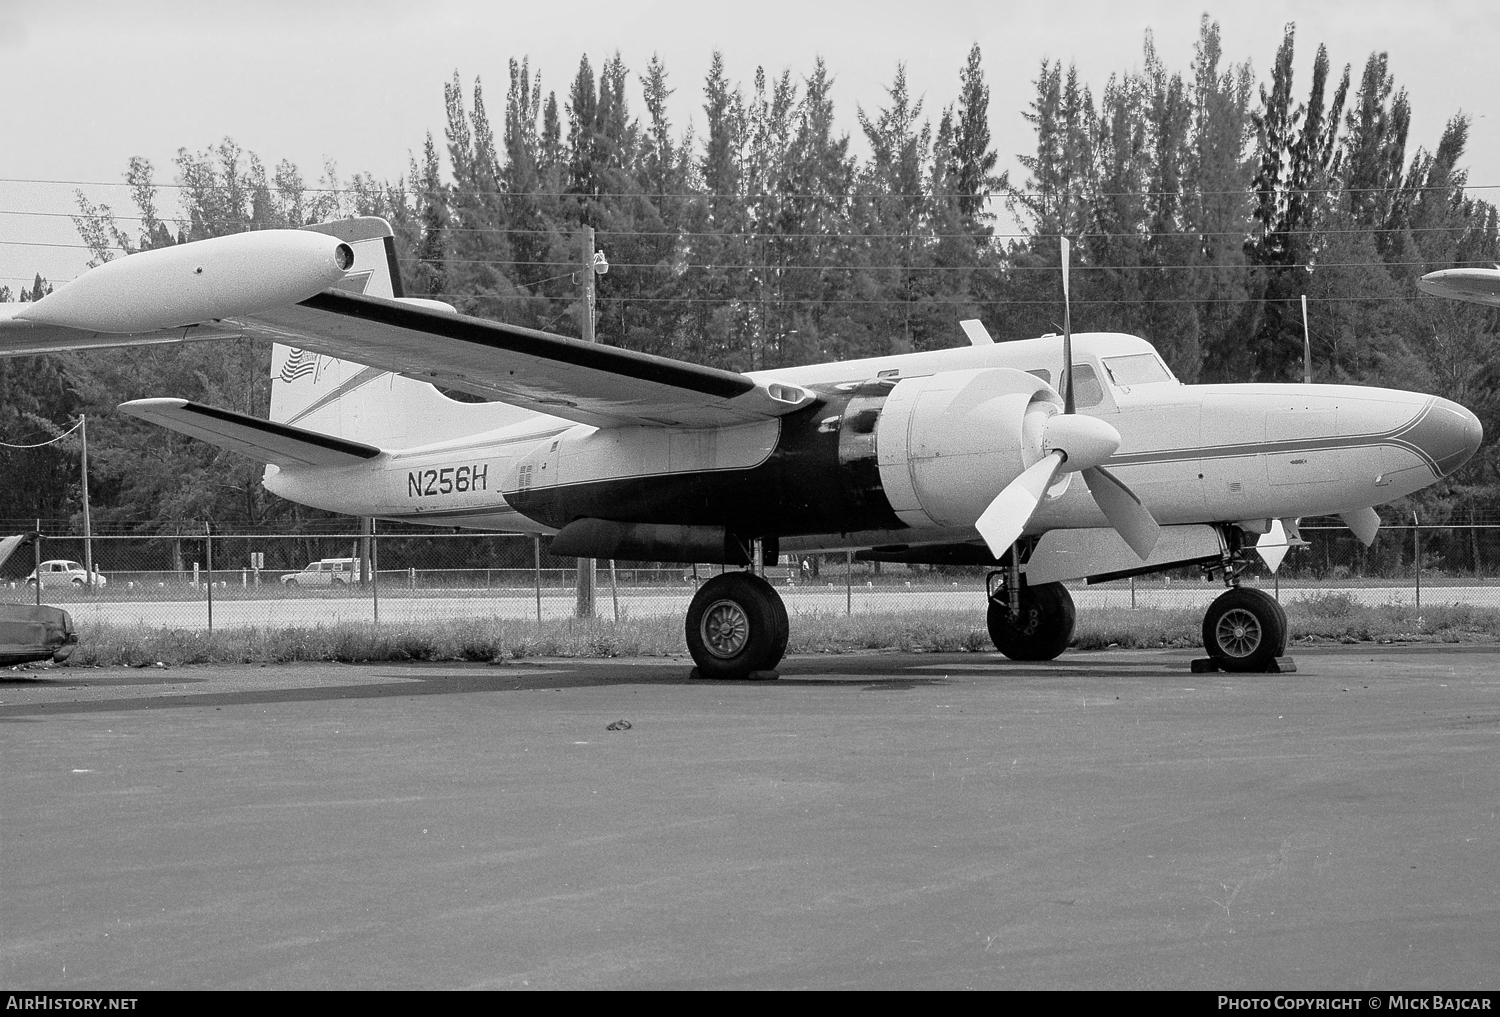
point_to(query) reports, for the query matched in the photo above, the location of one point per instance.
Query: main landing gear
(1037, 626)
(736, 626)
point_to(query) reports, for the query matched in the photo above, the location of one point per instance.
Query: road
(871, 821)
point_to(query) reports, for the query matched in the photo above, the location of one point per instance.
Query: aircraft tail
(352, 401)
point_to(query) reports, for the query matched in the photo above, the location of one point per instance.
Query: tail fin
(359, 403)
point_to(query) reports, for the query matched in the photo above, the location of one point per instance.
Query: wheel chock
(1277, 665)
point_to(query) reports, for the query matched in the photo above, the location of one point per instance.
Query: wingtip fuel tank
(222, 277)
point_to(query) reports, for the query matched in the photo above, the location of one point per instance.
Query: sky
(85, 86)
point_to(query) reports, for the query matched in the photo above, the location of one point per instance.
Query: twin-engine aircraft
(970, 455)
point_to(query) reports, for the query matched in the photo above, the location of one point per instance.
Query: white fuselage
(1192, 453)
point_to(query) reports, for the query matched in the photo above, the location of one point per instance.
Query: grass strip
(1333, 617)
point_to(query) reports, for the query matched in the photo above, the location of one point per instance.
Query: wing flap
(262, 440)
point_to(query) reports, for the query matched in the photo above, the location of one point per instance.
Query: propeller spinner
(1070, 443)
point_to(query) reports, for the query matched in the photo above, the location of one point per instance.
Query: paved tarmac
(875, 821)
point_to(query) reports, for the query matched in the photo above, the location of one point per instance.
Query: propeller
(1071, 443)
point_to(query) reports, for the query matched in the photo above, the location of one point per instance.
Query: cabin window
(1136, 369)
(1042, 373)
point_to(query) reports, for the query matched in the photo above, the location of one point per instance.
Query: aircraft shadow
(879, 675)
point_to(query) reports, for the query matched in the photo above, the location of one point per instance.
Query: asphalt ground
(877, 821)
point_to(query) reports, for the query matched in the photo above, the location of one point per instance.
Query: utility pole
(1306, 346)
(88, 529)
(593, 264)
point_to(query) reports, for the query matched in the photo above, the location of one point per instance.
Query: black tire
(784, 622)
(1043, 628)
(1286, 628)
(78, 583)
(736, 624)
(1244, 630)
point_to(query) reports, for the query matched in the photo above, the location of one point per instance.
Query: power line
(1081, 238)
(939, 302)
(680, 269)
(51, 441)
(800, 195)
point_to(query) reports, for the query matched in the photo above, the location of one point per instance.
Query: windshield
(1136, 369)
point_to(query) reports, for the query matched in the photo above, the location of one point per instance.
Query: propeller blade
(1066, 378)
(1124, 510)
(1003, 521)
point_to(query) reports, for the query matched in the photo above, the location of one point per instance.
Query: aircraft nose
(1448, 434)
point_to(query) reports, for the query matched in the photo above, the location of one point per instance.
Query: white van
(325, 572)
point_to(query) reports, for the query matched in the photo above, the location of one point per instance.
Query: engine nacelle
(948, 443)
(191, 283)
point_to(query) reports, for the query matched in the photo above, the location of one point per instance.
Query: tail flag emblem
(299, 365)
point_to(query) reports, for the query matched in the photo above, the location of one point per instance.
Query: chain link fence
(190, 581)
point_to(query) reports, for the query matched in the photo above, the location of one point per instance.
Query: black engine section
(822, 477)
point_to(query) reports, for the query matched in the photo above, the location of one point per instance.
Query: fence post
(1416, 553)
(536, 573)
(374, 573)
(1132, 593)
(614, 591)
(37, 571)
(848, 583)
(208, 559)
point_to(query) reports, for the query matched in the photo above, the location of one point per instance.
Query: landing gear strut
(736, 626)
(1038, 628)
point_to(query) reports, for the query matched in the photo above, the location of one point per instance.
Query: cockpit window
(1086, 390)
(1136, 369)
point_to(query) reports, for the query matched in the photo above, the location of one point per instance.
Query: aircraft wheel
(1043, 628)
(1244, 630)
(736, 624)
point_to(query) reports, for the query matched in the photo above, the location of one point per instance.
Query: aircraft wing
(262, 440)
(587, 382)
(1477, 285)
(295, 287)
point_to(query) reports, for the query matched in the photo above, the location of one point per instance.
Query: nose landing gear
(1244, 630)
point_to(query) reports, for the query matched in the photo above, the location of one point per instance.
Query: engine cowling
(947, 443)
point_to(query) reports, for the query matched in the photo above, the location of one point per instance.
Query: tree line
(1202, 205)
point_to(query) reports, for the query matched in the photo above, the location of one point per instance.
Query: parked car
(58, 572)
(325, 572)
(30, 633)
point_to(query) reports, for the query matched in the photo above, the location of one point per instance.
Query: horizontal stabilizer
(264, 441)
